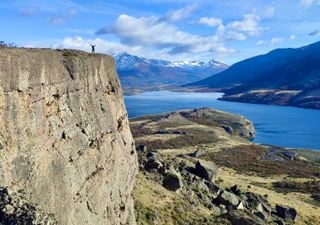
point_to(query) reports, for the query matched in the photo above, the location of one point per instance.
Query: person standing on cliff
(93, 50)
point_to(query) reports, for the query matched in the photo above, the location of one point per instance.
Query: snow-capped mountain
(137, 72)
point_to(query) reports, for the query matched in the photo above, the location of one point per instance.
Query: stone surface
(66, 143)
(231, 123)
(228, 199)
(239, 217)
(286, 212)
(172, 181)
(207, 170)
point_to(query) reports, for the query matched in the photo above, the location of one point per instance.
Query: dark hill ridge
(283, 76)
(140, 73)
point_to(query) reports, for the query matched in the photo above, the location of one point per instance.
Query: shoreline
(225, 97)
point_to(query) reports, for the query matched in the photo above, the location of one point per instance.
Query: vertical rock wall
(65, 143)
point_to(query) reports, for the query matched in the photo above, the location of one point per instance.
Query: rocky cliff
(66, 152)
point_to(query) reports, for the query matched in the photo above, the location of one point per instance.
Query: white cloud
(181, 13)
(272, 42)
(154, 33)
(292, 37)
(113, 48)
(57, 20)
(275, 41)
(242, 29)
(249, 25)
(262, 42)
(159, 34)
(269, 11)
(210, 21)
(308, 3)
(102, 46)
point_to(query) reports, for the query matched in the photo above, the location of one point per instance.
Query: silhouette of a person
(93, 50)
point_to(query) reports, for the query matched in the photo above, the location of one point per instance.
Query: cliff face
(65, 143)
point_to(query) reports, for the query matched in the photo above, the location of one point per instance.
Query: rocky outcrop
(195, 182)
(231, 123)
(207, 170)
(66, 146)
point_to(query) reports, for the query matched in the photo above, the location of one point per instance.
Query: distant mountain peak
(126, 59)
(136, 71)
(217, 64)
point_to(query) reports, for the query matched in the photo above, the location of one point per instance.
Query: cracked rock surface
(65, 141)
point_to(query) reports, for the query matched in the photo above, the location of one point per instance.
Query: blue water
(275, 125)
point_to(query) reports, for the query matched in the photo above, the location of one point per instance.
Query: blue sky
(226, 30)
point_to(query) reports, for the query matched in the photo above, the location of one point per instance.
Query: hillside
(138, 73)
(197, 167)
(66, 151)
(283, 76)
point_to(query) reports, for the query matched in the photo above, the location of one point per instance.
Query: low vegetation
(189, 136)
(247, 159)
(3, 44)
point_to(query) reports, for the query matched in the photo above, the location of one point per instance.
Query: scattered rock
(229, 199)
(286, 212)
(240, 206)
(279, 154)
(15, 210)
(196, 154)
(235, 190)
(172, 181)
(142, 148)
(261, 215)
(152, 164)
(291, 155)
(162, 132)
(181, 132)
(257, 203)
(214, 188)
(239, 217)
(207, 170)
(228, 129)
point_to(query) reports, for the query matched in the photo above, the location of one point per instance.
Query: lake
(276, 125)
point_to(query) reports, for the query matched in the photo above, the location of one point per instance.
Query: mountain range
(150, 74)
(282, 76)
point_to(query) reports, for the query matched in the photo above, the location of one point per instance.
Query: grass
(155, 205)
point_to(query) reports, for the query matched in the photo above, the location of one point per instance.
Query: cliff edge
(67, 155)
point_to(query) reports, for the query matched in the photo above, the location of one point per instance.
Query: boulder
(286, 212)
(207, 170)
(235, 190)
(240, 206)
(142, 148)
(196, 154)
(151, 165)
(153, 155)
(291, 155)
(257, 203)
(230, 200)
(239, 217)
(172, 181)
(213, 188)
(227, 129)
(261, 215)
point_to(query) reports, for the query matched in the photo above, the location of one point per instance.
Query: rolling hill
(283, 77)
